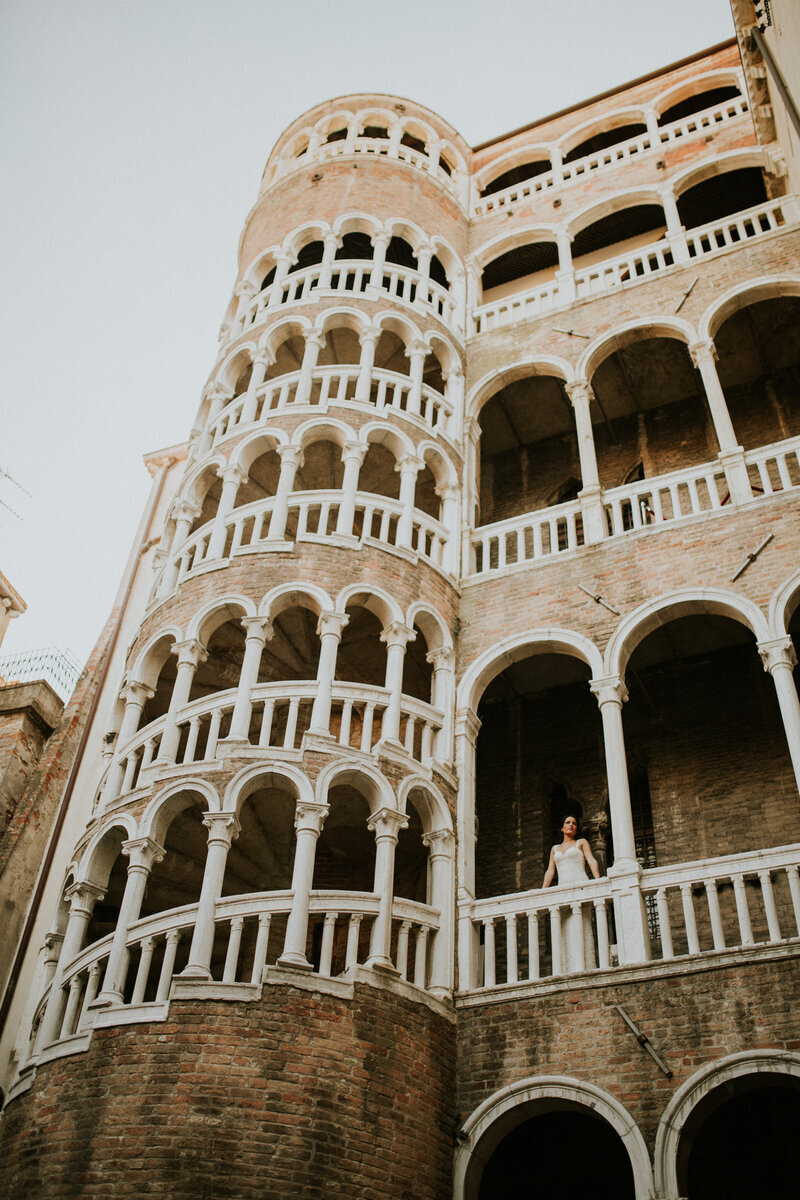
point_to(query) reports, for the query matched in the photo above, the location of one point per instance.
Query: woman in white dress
(569, 861)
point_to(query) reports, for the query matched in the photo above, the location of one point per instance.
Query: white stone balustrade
(354, 277)
(697, 123)
(336, 387)
(774, 468)
(527, 538)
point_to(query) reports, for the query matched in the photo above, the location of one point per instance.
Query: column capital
(777, 652)
(439, 842)
(290, 453)
(263, 355)
(143, 852)
(217, 391)
(184, 510)
(310, 816)
(257, 629)
(387, 823)
(222, 827)
(315, 337)
(448, 491)
(332, 238)
(579, 390)
(397, 634)
(284, 259)
(609, 690)
(468, 724)
(354, 452)
(703, 351)
(245, 287)
(369, 335)
(417, 347)
(191, 651)
(442, 658)
(331, 622)
(233, 473)
(381, 237)
(409, 464)
(136, 693)
(83, 896)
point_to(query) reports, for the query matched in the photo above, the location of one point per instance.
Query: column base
(105, 1000)
(382, 964)
(195, 971)
(296, 962)
(633, 936)
(594, 520)
(736, 475)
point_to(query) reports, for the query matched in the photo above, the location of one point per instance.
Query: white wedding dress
(576, 928)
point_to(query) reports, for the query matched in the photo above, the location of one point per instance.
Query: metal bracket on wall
(598, 599)
(751, 558)
(644, 1042)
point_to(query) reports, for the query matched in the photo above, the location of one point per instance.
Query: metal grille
(59, 668)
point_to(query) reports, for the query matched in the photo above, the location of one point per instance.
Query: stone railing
(336, 386)
(249, 937)
(349, 278)
(700, 122)
(729, 903)
(645, 503)
(281, 716)
(637, 264)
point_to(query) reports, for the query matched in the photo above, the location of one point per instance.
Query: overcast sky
(133, 140)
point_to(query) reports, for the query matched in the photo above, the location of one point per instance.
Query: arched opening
(262, 478)
(163, 663)
(344, 861)
(518, 174)
(390, 355)
(411, 880)
(721, 195)
(322, 468)
(378, 473)
(619, 233)
(242, 379)
(209, 487)
(528, 449)
(759, 369)
(401, 253)
(605, 138)
(709, 98)
(355, 245)
(425, 497)
(519, 269)
(336, 135)
(288, 357)
(432, 375)
(650, 417)
(438, 273)
(417, 671)
(341, 347)
(362, 654)
(560, 1152)
(308, 256)
(110, 872)
(738, 1141)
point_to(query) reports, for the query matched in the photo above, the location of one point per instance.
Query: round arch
(164, 807)
(342, 317)
(437, 635)
(494, 381)
(683, 603)
(374, 787)
(434, 815)
(283, 330)
(695, 85)
(729, 160)
(330, 429)
(276, 774)
(357, 222)
(406, 329)
(495, 1117)
(311, 231)
(512, 649)
(503, 242)
(378, 601)
(98, 858)
(633, 331)
(202, 625)
(595, 210)
(384, 434)
(743, 295)
(287, 595)
(535, 152)
(602, 123)
(783, 604)
(255, 444)
(234, 362)
(147, 666)
(259, 266)
(689, 1094)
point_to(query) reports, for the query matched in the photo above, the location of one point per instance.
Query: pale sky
(134, 136)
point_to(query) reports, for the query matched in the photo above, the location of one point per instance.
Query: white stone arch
(408, 230)
(357, 222)
(436, 815)
(375, 787)
(188, 490)
(616, 202)
(375, 115)
(416, 127)
(287, 595)
(530, 152)
(340, 118)
(485, 1128)
(385, 434)
(449, 150)
(237, 791)
(501, 243)
(97, 859)
(320, 429)
(690, 1093)
(695, 85)
(664, 609)
(765, 287)
(256, 444)
(498, 378)
(513, 649)
(310, 231)
(261, 265)
(447, 256)
(204, 622)
(634, 114)
(720, 164)
(638, 330)
(445, 351)
(432, 624)
(284, 329)
(147, 665)
(167, 805)
(406, 329)
(442, 469)
(234, 363)
(342, 317)
(375, 599)
(783, 604)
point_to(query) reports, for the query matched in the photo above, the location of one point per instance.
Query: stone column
(450, 494)
(396, 636)
(332, 242)
(329, 629)
(458, 290)
(232, 478)
(557, 164)
(779, 658)
(417, 352)
(190, 653)
(386, 824)
(454, 395)
(308, 821)
(135, 696)
(625, 874)
(409, 466)
(82, 899)
(676, 234)
(424, 256)
(218, 397)
(282, 264)
(261, 362)
(380, 244)
(440, 849)
(731, 454)
(185, 516)
(580, 394)
(443, 662)
(352, 456)
(222, 829)
(315, 341)
(291, 458)
(368, 340)
(259, 631)
(565, 275)
(466, 729)
(143, 854)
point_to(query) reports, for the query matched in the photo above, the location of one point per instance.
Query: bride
(569, 862)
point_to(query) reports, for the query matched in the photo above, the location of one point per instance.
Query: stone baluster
(386, 824)
(222, 829)
(135, 696)
(308, 821)
(82, 899)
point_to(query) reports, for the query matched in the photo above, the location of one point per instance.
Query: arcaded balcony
(664, 433)
(697, 838)
(626, 245)
(551, 168)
